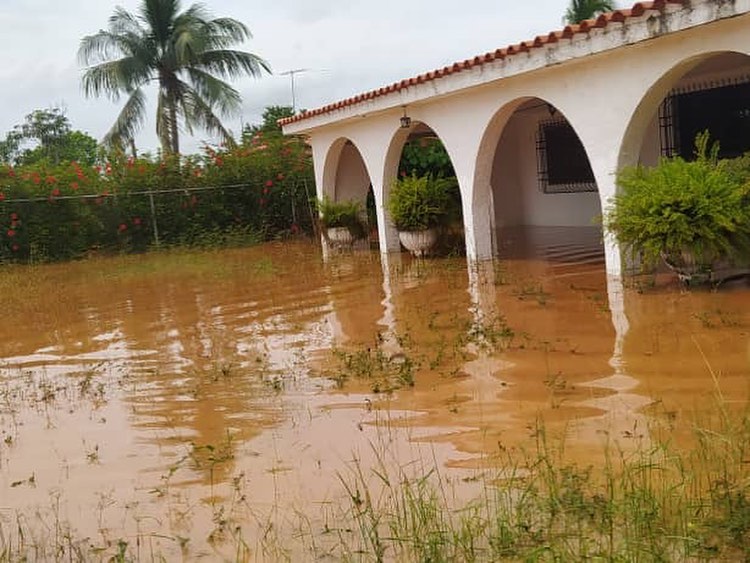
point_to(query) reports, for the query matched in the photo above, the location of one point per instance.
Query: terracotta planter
(419, 243)
(340, 237)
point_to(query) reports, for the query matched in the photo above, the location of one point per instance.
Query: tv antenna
(291, 74)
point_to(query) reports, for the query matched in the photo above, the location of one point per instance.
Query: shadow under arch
(345, 174)
(347, 178)
(417, 130)
(727, 69)
(535, 182)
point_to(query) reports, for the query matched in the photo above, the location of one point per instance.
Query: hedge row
(260, 190)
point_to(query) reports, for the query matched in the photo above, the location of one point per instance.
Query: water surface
(181, 401)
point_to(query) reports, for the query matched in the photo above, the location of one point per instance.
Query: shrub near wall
(259, 190)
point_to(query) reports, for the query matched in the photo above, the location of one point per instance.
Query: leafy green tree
(580, 10)
(425, 156)
(186, 53)
(270, 117)
(51, 139)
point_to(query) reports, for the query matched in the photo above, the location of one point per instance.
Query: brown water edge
(179, 396)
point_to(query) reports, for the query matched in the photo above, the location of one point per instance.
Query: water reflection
(163, 387)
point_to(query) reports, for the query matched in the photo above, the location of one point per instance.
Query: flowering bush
(57, 212)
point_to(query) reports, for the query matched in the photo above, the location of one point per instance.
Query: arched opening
(710, 92)
(418, 151)
(544, 196)
(346, 178)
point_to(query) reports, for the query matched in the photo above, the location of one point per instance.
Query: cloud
(350, 46)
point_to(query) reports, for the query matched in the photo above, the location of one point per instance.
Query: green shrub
(342, 214)
(223, 196)
(681, 209)
(420, 202)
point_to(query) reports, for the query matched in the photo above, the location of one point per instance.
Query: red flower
(11, 233)
(98, 169)
(280, 177)
(11, 172)
(14, 216)
(265, 191)
(14, 248)
(136, 220)
(35, 178)
(2, 196)
(122, 227)
(74, 185)
(269, 184)
(55, 192)
(51, 179)
(218, 161)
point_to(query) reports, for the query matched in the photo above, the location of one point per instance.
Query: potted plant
(693, 215)
(341, 221)
(418, 205)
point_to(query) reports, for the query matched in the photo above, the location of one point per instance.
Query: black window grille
(723, 111)
(563, 166)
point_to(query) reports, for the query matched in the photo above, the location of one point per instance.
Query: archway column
(387, 233)
(375, 145)
(602, 142)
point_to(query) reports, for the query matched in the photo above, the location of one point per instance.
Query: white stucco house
(537, 131)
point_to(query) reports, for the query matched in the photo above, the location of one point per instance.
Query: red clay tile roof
(618, 16)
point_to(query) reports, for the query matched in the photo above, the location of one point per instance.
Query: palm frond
(229, 31)
(115, 77)
(123, 22)
(202, 114)
(129, 121)
(580, 10)
(159, 16)
(217, 93)
(230, 63)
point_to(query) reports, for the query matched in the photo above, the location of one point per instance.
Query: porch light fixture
(405, 120)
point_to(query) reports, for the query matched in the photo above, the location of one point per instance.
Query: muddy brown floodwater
(183, 402)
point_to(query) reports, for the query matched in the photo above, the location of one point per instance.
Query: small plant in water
(385, 372)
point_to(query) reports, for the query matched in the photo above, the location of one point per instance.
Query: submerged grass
(656, 500)
(657, 503)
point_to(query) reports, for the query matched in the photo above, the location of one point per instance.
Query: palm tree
(186, 53)
(580, 10)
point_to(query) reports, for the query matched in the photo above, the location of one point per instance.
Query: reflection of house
(537, 130)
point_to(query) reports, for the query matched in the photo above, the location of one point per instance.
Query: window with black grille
(722, 111)
(562, 162)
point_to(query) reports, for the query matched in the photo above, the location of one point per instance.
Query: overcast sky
(350, 46)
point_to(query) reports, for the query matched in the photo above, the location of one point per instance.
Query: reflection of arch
(646, 111)
(532, 170)
(345, 175)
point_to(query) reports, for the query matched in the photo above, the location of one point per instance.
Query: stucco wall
(518, 197)
(352, 180)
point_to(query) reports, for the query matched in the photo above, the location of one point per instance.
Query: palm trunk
(174, 134)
